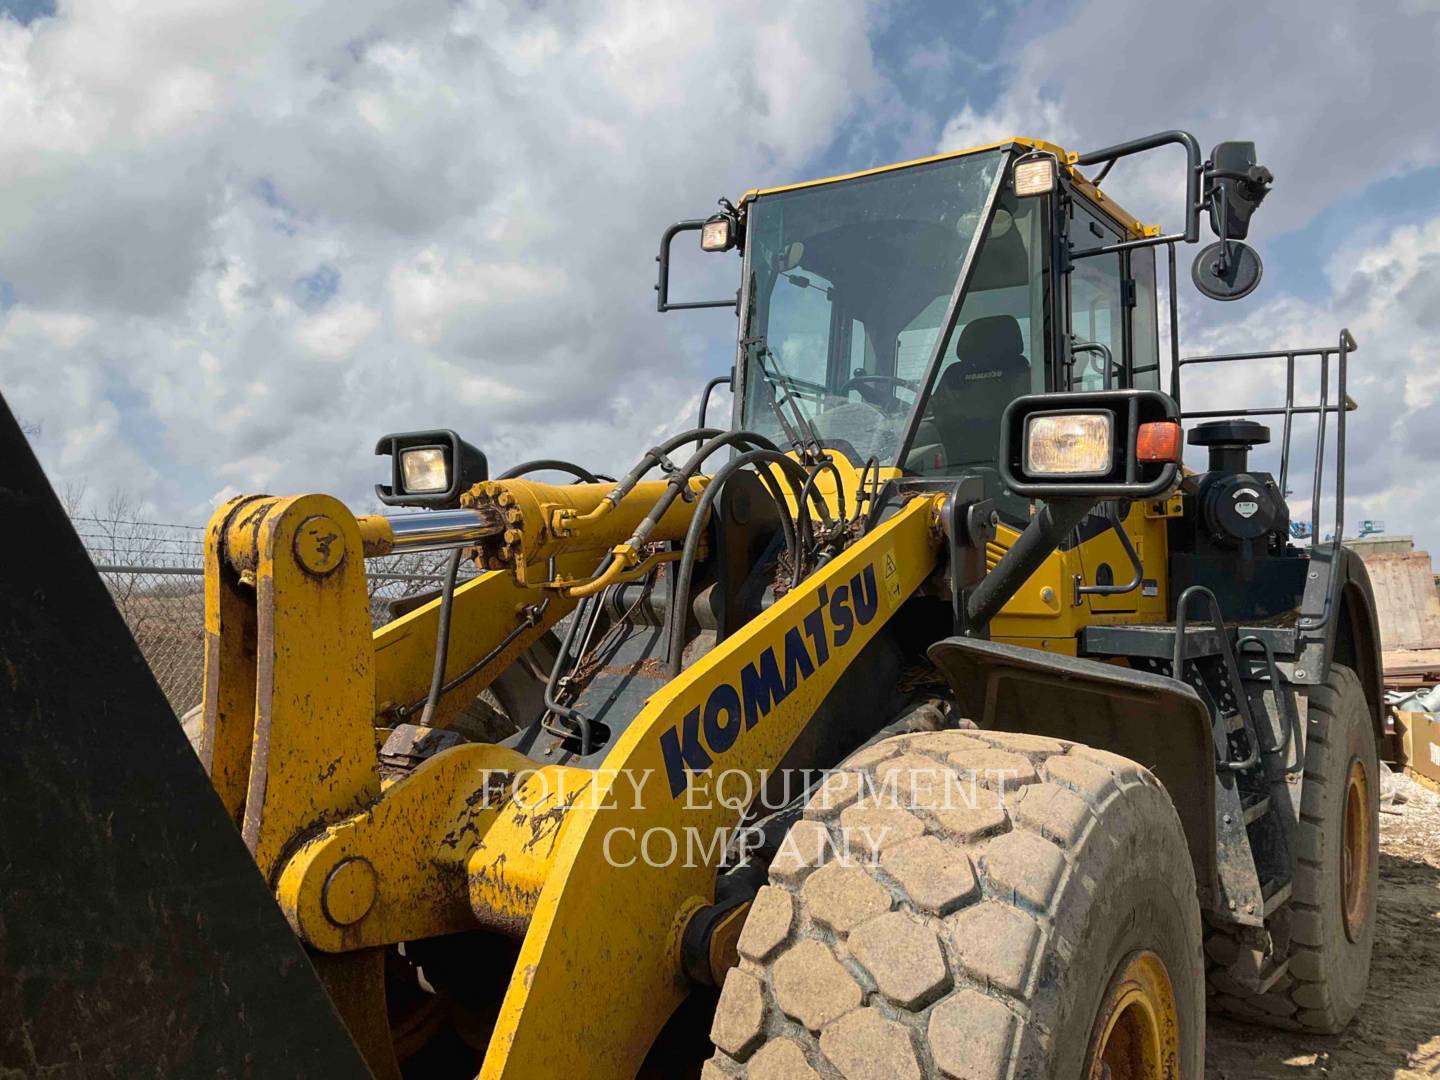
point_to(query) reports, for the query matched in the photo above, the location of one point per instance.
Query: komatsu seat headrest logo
(710, 730)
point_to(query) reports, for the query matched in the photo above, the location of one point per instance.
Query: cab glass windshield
(849, 283)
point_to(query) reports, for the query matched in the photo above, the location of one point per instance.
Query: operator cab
(849, 285)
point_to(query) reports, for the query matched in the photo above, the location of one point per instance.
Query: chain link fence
(156, 574)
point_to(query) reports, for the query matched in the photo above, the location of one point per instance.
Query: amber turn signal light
(1158, 440)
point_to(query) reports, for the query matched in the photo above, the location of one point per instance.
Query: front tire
(1051, 933)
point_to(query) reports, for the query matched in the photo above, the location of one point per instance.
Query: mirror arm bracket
(1195, 168)
(662, 284)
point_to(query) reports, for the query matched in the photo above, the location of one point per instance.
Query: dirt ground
(1397, 1033)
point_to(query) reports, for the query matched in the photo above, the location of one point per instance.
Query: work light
(429, 468)
(425, 469)
(1035, 175)
(1069, 444)
(718, 234)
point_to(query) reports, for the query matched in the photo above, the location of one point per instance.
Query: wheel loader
(931, 718)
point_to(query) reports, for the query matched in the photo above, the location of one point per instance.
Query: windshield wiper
(798, 428)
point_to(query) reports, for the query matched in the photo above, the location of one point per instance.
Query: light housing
(1034, 174)
(718, 233)
(1069, 444)
(1083, 444)
(429, 468)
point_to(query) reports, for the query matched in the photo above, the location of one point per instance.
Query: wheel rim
(1355, 851)
(1137, 1031)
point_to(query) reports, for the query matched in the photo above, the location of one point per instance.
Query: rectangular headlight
(1035, 176)
(425, 470)
(1069, 444)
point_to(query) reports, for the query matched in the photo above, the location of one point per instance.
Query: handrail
(1344, 404)
(1232, 672)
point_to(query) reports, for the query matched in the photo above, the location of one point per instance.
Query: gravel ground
(1397, 1033)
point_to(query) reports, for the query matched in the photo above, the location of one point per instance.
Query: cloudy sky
(240, 239)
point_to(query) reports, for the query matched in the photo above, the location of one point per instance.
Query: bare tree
(73, 495)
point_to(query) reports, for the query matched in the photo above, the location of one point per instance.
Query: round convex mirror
(1231, 282)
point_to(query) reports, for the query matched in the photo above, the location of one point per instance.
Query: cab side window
(1144, 327)
(1096, 304)
(1112, 305)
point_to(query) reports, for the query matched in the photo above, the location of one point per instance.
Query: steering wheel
(868, 387)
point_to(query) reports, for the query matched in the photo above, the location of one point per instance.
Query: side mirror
(1226, 270)
(1108, 444)
(1235, 185)
(429, 468)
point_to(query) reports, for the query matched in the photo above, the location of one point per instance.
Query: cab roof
(1123, 218)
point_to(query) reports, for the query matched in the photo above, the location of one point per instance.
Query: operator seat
(989, 372)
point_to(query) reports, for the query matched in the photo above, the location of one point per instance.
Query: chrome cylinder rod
(434, 530)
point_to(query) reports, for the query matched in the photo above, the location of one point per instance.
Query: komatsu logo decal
(712, 729)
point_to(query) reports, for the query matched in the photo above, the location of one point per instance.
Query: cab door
(1107, 344)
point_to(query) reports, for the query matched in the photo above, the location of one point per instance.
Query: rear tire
(1332, 925)
(1028, 937)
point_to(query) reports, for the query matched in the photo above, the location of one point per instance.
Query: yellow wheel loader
(929, 719)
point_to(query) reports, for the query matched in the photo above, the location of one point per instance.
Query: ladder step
(1275, 894)
(1256, 971)
(1271, 975)
(1255, 807)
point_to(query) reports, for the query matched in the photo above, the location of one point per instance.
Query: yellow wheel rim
(1355, 881)
(1137, 1031)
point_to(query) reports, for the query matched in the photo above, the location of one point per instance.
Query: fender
(1151, 719)
(1338, 624)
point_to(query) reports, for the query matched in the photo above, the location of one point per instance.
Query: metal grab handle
(1289, 718)
(719, 380)
(1232, 669)
(1081, 589)
(1107, 358)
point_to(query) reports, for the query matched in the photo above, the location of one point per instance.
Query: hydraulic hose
(862, 493)
(442, 638)
(685, 570)
(581, 473)
(654, 456)
(802, 519)
(586, 613)
(648, 461)
(691, 468)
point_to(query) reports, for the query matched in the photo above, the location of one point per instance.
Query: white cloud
(482, 183)
(1334, 95)
(338, 331)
